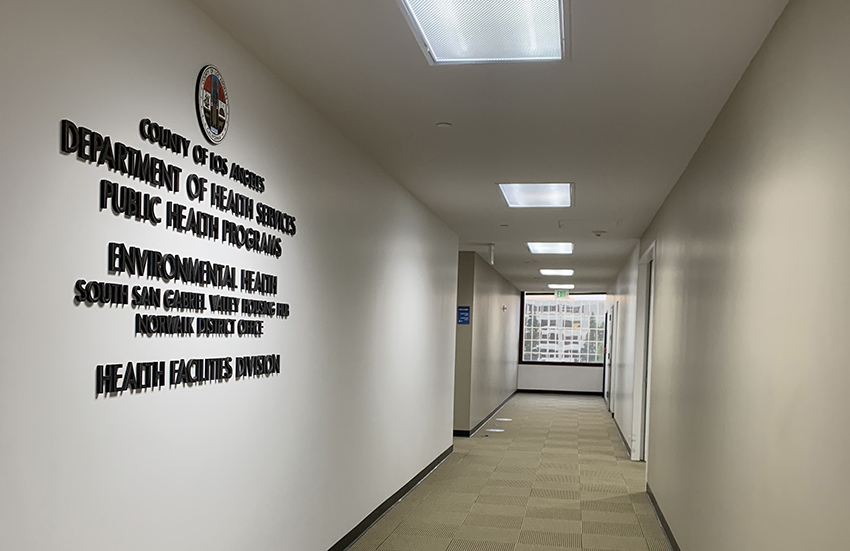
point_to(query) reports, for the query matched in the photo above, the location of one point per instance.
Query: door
(647, 359)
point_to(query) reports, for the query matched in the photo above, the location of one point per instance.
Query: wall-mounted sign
(173, 293)
(463, 315)
(212, 104)
(562, 294)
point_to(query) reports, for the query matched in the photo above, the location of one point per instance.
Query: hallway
(558, 477)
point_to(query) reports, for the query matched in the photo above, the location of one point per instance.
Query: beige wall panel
(749, 444)
(463, 346)
(487, 349)
(495, 341)
(624, 294)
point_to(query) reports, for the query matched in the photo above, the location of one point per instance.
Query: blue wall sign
(463, 315)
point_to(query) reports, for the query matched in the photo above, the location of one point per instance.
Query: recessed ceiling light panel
(559, 273)
(488, 31)
(550, 248)
(559, 286)
(537, 195)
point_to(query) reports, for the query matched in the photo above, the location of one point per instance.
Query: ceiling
(620, 118)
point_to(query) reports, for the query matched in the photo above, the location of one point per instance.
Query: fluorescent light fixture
(550, 248)
(588, 297)
(560, 273)
(503, 419)
(537, 195)
(487, 31)
(495, 430)
(564, 286)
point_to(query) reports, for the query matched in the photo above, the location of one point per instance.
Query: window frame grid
(571, 321)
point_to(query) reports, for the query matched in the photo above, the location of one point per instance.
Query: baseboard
(468, 433)
(666, 527)
(373, 517)
(570, 392)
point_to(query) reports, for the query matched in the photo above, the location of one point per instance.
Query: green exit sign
(562, 294)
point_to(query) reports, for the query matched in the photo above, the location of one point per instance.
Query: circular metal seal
(213, 105)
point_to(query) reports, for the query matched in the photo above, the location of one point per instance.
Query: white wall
(563, 378)
(293, 461)
(493, 336)
(749, 446)
(624, 294)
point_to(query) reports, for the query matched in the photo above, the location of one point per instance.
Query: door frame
(611, 381)
(606, 366)
(643, 352)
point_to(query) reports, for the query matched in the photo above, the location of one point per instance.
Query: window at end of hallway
(563, 331)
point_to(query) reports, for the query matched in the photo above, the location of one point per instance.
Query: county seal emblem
(212, 104)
